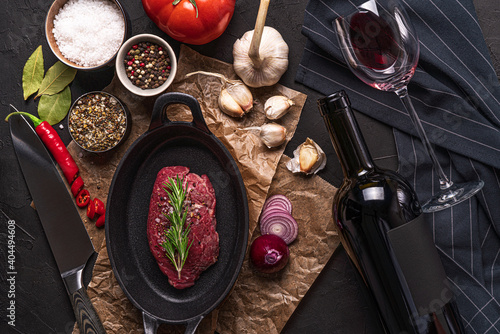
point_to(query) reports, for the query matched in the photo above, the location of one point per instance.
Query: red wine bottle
(383, 230)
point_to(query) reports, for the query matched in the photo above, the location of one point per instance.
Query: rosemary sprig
(176, 243)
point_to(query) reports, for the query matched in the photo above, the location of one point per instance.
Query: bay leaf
(53, 108)
(56, 79)
(33, 73)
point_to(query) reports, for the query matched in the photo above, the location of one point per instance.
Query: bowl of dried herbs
(99, 122)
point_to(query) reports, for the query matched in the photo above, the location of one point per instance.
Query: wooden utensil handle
(86, 316)
(260, 22)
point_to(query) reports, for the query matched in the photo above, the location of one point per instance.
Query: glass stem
(444, 181)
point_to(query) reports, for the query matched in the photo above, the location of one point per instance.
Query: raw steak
(200, 205)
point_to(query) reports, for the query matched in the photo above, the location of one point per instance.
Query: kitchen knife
(63, 227)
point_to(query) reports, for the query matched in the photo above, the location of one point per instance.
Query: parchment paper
(258, 303)
(262, 303)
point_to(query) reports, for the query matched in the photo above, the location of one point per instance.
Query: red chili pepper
(55, 146)
(100, 221)
(99, 206)
(83, 198)
(77, 186)
(91, 211)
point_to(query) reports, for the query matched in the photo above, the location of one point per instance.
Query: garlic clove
(238, 91)
(228, 105)
(277, 106)
(241, 94)
(272, 134)
(308, 158)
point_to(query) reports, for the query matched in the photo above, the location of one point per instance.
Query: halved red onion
(280, 201)
(269, 253)
(280, 223)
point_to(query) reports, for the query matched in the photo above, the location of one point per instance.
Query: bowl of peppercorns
(146, 65)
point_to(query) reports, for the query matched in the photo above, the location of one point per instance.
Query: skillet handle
(192, 325)
(159, 115)
(150, 323)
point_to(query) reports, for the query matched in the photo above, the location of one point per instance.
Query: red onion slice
(278, 201)
(280, 223)
(271, 211)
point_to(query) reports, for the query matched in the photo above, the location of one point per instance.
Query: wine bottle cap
(334, 102)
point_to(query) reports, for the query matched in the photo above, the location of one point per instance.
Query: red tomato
(185, 23)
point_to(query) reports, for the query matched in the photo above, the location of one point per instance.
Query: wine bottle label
(420, 265)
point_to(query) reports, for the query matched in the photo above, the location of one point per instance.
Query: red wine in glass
(381, 48)
(373, 41)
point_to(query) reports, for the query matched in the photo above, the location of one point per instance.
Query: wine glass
(381, 47)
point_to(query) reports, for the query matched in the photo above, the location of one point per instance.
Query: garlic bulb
(235, 99)
(308, 158)
(271, 134)
(277, 106)
(272, 63)
(260, 55)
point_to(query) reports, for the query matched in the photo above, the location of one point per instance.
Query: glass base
(453, 195)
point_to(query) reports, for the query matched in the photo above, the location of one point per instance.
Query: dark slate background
(335, 303)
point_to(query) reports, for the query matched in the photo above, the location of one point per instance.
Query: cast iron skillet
(169, 143)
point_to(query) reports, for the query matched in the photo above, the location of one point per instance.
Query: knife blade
(61, 222)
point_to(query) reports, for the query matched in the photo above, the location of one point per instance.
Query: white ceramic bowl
(121, 71)
(49, 26)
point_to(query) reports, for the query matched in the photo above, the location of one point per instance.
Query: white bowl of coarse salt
(86, 34)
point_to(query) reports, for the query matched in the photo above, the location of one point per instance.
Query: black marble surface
(335, 303)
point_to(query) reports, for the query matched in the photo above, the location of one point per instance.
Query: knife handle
(86, 316)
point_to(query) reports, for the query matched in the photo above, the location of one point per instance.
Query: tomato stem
(193, 2)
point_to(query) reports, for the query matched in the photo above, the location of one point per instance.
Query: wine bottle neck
(345, 134)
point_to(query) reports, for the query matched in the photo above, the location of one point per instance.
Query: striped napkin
(456, 93)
